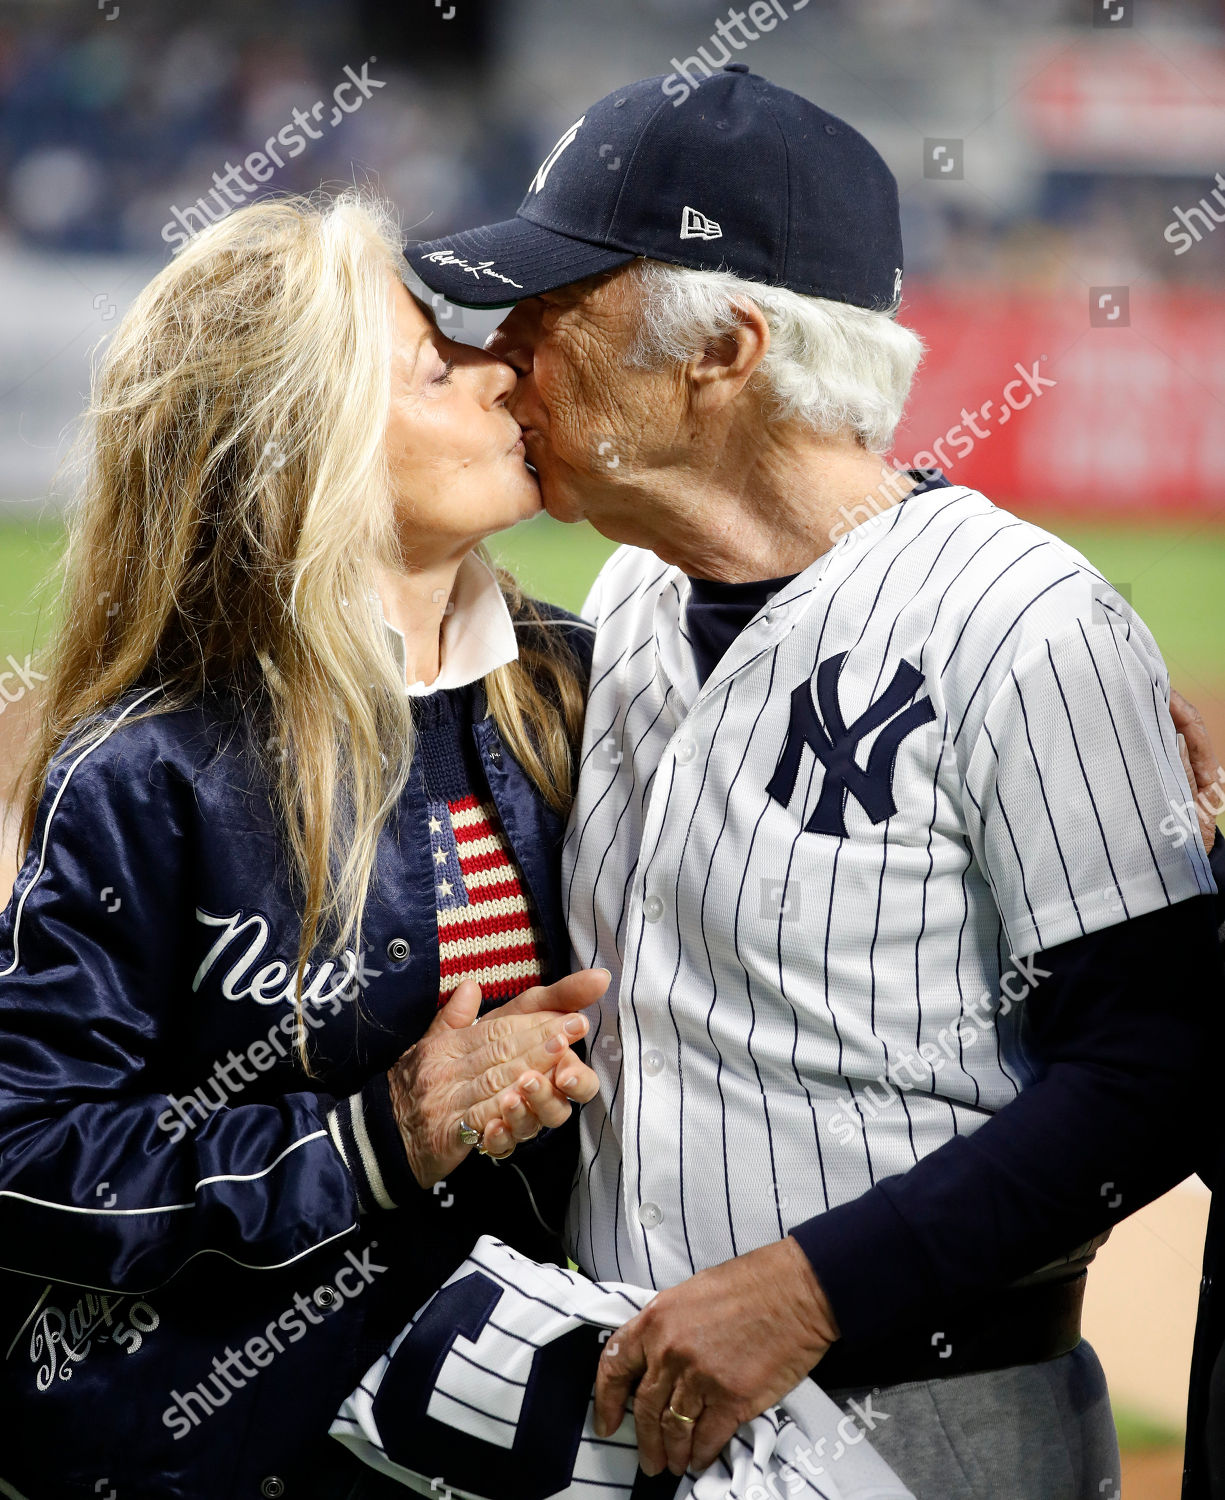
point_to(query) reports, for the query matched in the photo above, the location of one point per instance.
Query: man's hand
(507, 1074)
(1204, 771)
(538, 1098)
(722, 1347)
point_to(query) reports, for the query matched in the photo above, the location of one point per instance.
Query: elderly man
(1204, 1469)
(909, 986)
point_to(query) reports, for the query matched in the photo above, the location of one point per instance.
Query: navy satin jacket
(151, 1248)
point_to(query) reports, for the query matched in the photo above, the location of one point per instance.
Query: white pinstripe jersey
(488, 1392)
(944, 743)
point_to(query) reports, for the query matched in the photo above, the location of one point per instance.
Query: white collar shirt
(478, 633)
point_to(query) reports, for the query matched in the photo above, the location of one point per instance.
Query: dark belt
(1021, 1325)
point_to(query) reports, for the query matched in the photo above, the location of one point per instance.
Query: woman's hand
(507, 1074)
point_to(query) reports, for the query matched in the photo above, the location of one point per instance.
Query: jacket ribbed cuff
(364, 1128)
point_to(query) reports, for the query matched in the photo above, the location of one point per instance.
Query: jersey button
(653, 1064)
(273, 1487)
(649, 1215)
(685, 752)
(652, 908)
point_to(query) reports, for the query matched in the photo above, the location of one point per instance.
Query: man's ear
(726, 365)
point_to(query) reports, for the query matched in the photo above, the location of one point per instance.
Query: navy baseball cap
(739, 176)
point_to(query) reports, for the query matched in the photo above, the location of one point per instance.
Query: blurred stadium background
(1058, 169)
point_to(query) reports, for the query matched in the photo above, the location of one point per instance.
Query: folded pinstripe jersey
(489, 1392)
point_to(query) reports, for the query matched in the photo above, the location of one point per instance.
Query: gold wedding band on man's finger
(678, 1437)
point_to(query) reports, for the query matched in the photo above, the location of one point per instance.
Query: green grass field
(1173, 573)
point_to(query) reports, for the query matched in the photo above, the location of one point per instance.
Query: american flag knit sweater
(486, 927)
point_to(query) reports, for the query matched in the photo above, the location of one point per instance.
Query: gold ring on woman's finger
(496, 1155)
(680, 1417)
(467, 1135)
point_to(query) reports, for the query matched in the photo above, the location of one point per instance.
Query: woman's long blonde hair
(236, 495)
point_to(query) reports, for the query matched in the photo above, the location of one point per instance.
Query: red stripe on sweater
(502, 890)
(469, 833)
(473, 963)
(473, 864)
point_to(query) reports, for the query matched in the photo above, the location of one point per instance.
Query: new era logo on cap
(696, 226)
(742, 176)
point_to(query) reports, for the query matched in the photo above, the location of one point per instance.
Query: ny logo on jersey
(834, 743)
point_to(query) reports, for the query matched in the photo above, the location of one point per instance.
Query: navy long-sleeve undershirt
(1124, 1033)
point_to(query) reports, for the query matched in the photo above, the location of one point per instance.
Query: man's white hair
(830, 365)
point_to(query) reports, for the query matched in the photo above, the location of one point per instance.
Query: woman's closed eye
(445, 374)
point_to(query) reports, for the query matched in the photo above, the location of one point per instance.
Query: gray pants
(1033, 1432)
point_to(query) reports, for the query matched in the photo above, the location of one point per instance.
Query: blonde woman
(292, 822)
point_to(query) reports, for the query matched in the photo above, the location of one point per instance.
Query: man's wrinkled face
(590, 420)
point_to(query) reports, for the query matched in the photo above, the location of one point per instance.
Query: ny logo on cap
(546, 166)
(696, 226)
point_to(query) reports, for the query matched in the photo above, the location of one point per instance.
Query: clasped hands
(507, 1075)
(719, 1348)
